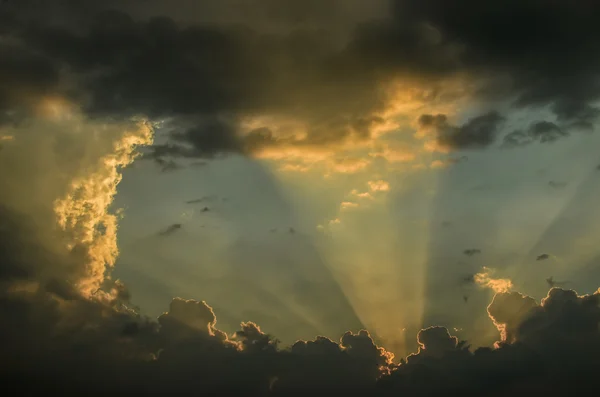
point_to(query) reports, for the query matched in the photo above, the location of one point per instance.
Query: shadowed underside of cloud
(478, 132)
(68, 327)
(218, 88)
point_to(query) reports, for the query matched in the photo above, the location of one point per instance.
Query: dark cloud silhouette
(51, 332)
(69, 328)
(478, 132)
(541, 131)
(201, 79)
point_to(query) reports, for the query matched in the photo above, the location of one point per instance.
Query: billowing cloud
(62, 314)
(78, 98)
(233, 79)
(63, 192)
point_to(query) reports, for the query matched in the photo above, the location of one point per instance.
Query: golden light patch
(294, 168)
(346, 205)
(438, 164)
(286, 140)
(379, 186)
(349, 165)
(498, 285)
(363, 195)
(54, 108)
(432, 146)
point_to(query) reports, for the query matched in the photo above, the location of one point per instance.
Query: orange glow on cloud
(438, 164)
(498, 285)
(348, 205)
(288, 141)
(364, 195)
(349, 165)
(379, 186)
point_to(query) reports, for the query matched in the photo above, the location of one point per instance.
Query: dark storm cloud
(478, 132)
(24, 75)
(541, 131)
(548, 50)
(54, 337)
(204, 77)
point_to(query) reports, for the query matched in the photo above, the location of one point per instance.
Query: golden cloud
(346, 205)
(498, 285)
(379, 186)
(73, 167)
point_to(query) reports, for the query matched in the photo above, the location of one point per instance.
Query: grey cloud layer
(204, 77)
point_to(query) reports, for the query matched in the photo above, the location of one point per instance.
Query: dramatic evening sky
(340, 183)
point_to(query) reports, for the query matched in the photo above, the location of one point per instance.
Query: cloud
(478, 132)
(71, 172)
(540, 131)
(68, 97)
(497, 285)
(361, 195)
(228, 80)
(346, 205)
(108, 339)
(379, 186)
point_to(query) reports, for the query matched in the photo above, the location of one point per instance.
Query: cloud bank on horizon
(81, 94)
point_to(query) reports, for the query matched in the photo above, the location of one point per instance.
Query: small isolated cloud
(361, 195)
(347, 205)
(294, 168)
(540, 131)
(478, 132)
(379, 186)
(485, 279)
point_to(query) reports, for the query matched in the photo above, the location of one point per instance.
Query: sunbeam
(305, 197)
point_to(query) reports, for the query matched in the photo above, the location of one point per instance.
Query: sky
(278, 197)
